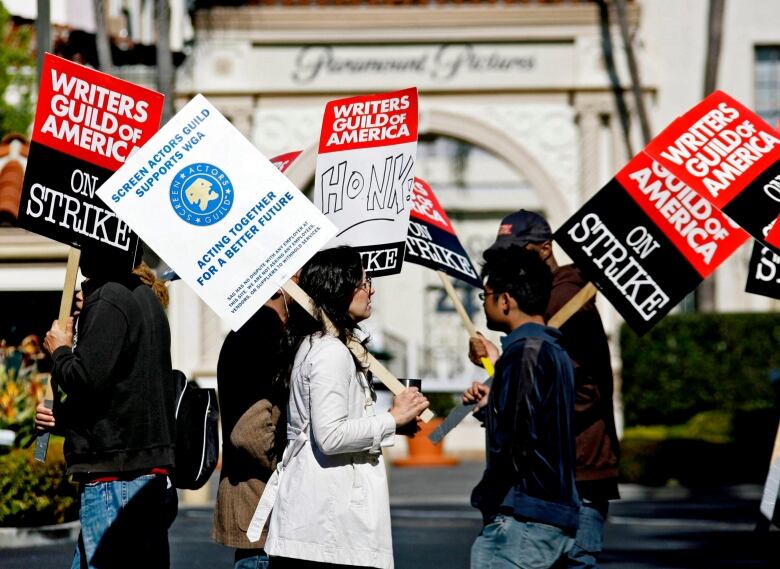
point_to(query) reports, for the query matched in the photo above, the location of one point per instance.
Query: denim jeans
(251, 559)
(590, 537)
(125, 524)
(508, 543)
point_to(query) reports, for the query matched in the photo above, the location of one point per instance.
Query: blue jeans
(590, 538)
(508, 543)
(125, 524)
(251, 559)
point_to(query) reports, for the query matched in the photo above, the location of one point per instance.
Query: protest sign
(217, 211)
(431, 240)
(86, 125)
(729, 156)
(646, 240)
(283, 161)
(365, 174)
(763, 272)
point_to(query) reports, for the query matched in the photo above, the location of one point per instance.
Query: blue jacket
(530, 437)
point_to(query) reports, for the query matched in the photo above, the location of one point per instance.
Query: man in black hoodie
(117, 415)
(597, 445)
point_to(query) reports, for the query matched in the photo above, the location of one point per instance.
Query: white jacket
(333, 504)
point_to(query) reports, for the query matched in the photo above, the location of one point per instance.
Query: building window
(768, 83)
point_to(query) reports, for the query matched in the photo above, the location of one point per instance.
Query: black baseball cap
(521, 228)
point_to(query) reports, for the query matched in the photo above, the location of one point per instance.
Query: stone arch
(500, 143)
(478, 133)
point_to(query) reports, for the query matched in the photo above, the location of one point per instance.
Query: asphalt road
(433, 527)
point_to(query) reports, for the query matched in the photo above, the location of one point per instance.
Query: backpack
(197, 433)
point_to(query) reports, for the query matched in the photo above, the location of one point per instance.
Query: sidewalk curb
(11, 538)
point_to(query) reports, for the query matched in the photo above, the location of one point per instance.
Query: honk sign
(365, 174)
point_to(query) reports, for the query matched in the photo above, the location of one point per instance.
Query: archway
(477, 133)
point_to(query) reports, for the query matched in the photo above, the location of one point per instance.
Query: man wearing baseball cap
(597, 447)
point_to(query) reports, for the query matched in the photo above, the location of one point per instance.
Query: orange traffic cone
(423, 453)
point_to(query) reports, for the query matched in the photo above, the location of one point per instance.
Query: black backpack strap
(524, 385)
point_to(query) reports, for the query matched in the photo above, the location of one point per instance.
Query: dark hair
(105, 263)
(149, 278)
(522, 274)
(330, 278)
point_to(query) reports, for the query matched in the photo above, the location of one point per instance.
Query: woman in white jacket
(332, 505)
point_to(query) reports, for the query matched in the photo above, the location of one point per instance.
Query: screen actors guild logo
(201, 194)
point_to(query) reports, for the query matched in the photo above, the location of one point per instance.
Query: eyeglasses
(366, 284)
(483, 295)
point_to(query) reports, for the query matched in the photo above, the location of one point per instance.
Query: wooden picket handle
(776, 449)
(71, 272)
(464, 316)
(575, 303)
(360, 352)
(66, 302)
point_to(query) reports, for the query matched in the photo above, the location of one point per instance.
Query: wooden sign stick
(464, 316)
(360, 352)
(575, 303)
(66, 302)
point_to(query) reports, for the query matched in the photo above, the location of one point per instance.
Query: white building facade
(517, 111)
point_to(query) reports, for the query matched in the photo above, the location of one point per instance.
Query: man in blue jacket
(527, 494)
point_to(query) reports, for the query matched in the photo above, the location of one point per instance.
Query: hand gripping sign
(217, 211)
(731, 157)
(86, 125)
(646, 240)
(365, 174)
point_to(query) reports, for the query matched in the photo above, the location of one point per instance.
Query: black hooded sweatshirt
(118, 412)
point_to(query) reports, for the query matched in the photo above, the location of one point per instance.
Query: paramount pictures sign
(347, 67)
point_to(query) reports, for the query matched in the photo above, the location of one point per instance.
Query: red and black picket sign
(731, 157)
(647, 240)
(763, 272)
(86, 125)
(432, 241)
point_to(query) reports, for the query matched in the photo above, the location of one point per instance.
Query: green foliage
(713, 448)
(698, 362)
(21, 388)
(710, 426)
(17, 76)
(34, 494)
